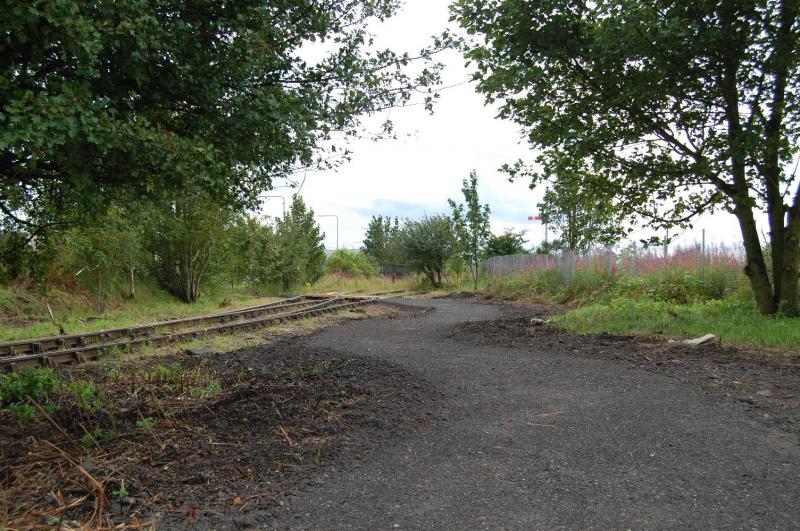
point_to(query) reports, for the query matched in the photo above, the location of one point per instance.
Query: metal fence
(632, 260)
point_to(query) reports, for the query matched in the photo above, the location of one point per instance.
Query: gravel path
(530, 439)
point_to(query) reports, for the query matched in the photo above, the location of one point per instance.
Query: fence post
(635, 260)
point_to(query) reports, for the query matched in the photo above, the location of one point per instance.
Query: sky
(417, 173)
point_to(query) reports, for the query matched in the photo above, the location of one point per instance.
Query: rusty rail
(248, 318)
(45, 344)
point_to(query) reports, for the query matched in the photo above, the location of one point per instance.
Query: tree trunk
(131, 282)
(789, 270)
(99, 295)
(431, 277)
(755, 267)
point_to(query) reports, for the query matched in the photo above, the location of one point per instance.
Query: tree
(681, 107)
(251, 250)
(139, 99)
(505, 244)
(471, 224)
(456, 265)
(183, 239)
(300, 254)
(110, 245)
(427, 245)
(581, 211)
(380, 241)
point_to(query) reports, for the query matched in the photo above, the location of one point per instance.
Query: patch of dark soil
(766, 383)
(306, 410)
(279, 417)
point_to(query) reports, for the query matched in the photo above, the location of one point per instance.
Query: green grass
(733, 322)
(24, 314)
(672, 303)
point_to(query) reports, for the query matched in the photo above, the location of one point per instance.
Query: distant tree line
(439, 244)
(184, 245)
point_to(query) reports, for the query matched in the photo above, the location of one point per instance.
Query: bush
(34, 383)
(352, 264)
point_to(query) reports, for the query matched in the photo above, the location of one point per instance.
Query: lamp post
(337, 225)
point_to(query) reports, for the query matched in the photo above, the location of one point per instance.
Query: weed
(146, 423)
(296, 372)
(87, 395)
(95, 437)
(24, 413)
(213, 388)
(320, 367)
(29, 384)
(35, 383)
(165, 373)
(121, 492)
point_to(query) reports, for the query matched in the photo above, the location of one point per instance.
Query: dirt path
(532, 439)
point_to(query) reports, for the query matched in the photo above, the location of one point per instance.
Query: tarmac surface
(530, 438)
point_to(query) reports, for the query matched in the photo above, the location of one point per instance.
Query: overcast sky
(418, 172)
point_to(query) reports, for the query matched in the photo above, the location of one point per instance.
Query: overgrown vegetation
(24, 314)
(667, 110)
(137, 139)
(672, 302)
(351, 264)
(733, 321)
(189, 247)
(37, 393)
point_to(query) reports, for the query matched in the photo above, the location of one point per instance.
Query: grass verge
(355, 285)
(23, 315)
(730, 321)
(672, 303)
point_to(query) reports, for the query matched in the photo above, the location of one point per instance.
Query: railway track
(77, 348)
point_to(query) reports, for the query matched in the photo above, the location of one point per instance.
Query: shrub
(353, 264)
(35, 383)
(86, 395)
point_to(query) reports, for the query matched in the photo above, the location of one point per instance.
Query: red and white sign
(535, 218)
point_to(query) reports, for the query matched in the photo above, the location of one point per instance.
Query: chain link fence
(632, 260)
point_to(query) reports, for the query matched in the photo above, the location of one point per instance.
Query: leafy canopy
(507, 243)
(427, 245)
(126, 97)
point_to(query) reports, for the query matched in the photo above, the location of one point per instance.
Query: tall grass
(671, 301)
(340, 283)
(732, 321)
(594, 285)
(23, 313)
